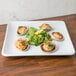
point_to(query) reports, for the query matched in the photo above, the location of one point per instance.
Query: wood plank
(40, 66)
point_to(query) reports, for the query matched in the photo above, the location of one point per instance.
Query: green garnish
(23, 43)
(36, 37)
(50, 45)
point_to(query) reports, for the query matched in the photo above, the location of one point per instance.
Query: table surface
(40, 66)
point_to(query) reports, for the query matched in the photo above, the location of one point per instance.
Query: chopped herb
(50, 45)
(23, 43)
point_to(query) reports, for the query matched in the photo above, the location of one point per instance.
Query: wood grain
(40, 66)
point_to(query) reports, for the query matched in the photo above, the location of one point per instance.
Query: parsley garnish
(23, 42)
(50, 45)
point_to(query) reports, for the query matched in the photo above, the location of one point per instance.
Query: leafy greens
(36, 37)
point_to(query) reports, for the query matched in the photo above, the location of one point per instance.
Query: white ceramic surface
(63, 47)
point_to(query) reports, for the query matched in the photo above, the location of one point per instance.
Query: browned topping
(21, 44)
(22, 30)
(47, 47)
(57, 35)
(46, 26)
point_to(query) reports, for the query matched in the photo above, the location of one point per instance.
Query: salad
(36, 37)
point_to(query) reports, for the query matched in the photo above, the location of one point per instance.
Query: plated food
(46, 26)
(48, 46)
(22, 30)
(37, 37)
(22, 44)
(57, 36)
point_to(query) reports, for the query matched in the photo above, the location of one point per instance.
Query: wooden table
(40, 66)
